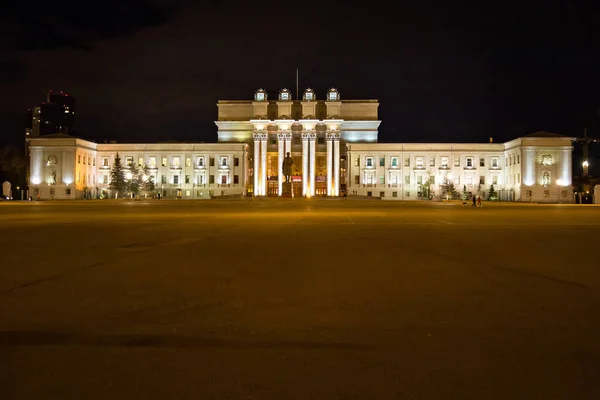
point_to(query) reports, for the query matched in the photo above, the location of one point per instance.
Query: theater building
(334, 145)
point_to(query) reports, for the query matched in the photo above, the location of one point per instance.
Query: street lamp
(585, 165)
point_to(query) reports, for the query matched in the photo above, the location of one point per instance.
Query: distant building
(55, 115)
(333, 143)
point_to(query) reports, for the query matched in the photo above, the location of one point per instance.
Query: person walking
(478, 200)
(474, 201)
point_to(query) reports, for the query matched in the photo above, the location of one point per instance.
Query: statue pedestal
(286, 189)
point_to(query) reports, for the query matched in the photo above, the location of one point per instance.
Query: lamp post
(585, 165)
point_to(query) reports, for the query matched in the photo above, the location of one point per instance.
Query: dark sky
(443, 71)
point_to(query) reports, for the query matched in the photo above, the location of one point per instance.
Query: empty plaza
(298, 299)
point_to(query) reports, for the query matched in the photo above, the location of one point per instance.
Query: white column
(313, 163)
(329, 165)
(566, 166)
(304, 164)
(336, 165)
(280, 157)
(263, 163)
(529, 177)
(256, 164)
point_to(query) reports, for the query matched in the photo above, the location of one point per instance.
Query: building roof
(543, 134)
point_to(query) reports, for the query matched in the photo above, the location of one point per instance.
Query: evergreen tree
(117, 177)
(465, 194)
(492, 194)
(147, 180)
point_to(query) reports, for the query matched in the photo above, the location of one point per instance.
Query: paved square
(296, 299)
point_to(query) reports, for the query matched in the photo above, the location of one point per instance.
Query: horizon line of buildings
(334, 145)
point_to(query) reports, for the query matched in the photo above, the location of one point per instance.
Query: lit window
(105, 161)
(333, 96)
(152, 161)
(164, 161)
(260, 96)
(308, 96)
(444, 162)
(188, 162)
(188, 193)
(285, 96)
(457, 162)
(129, 161)
(457, 180)
(369, 161)
(482, 162)
(394, 161)
(469, 161)
(495, 180)
(494, 162)
(176, 161)
(223, 161)
(420, 162)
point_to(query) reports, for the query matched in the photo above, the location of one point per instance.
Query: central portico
(310, 130)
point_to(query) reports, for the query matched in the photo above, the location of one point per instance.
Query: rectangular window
(188, 193)
(407, 162)
(407, 194)
(236, 179)
(382, 180)
(140, 161)
(469, 179)
(321, 140)
(94, 161)
(176, 179)
(407, 179)
(382, 162)
(128, 161)
(211, 179)
(187, 179)
(444, 162)
(457, 162)
(518, 159)
(105, 179)
(469, 162)
(457, 180)
(164, 161)
(482, 180)
(163, 179)
(394, 161)
(546, 193)
(223, 179)
(176, 161)
(510, 160)
(394, 194)
(105, 161)
(357, 179)
(494, 162)
(495, 180)
(200, 162)
(381, 194)
(432, 179)
(419, 162)
(68, 191)
(188, 162)
(236, 162)
(152, 161)
(432, 162)
(419, 179)
(369, 161)
(518, 178)
(223, 161)
(89, 160)
(482, 162)
(357, 162)
(78, 158)
(211, 162)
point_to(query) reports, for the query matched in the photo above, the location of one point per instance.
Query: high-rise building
(55, 115)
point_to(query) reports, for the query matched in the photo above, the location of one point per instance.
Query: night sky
(446, 71)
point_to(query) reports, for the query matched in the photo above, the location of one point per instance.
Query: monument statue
(286, 166)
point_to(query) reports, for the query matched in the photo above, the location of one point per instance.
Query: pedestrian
(478, 200)
(474, 201)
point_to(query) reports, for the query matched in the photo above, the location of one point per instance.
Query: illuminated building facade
(333, 143)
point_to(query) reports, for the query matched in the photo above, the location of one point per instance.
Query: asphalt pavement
(298, 299)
